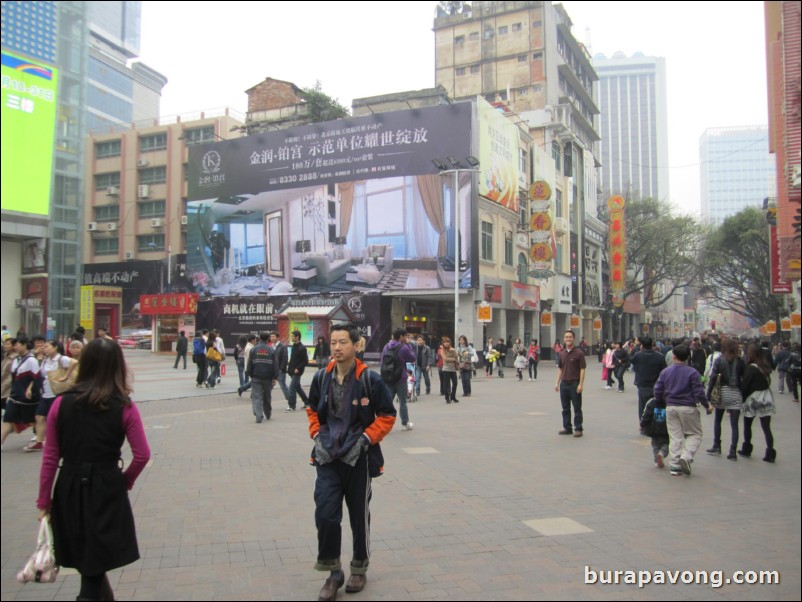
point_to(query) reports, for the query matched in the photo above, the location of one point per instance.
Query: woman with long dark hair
(731, 369)
(93, 525)
(758, 401)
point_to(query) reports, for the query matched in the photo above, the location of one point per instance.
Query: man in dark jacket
(281, 363)
(399, 388)
(350, 411)
(295, 368)
(181, 347)
(648, 365)
(261, 367)
(199, 357)
(422, 363)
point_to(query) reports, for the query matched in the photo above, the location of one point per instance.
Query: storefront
(101, 307)
(172, 313)
(313, 318)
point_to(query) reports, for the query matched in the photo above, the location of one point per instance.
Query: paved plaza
(481, 501)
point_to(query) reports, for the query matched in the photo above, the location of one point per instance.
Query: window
(197, 135)
(153, 175)
(486, 250)
(104, 180)
(507, 247)
(537, 88)
(558, 203)
(537, 23)
(502, 31)
(567, 160)
(112, 148)
(489, 33)
(555, 154)
(152, 209)
(460, 71)
(150, 243)
(459, 39)
(537, 56)
(107, 213)
(523, 92)
(153, 143)
(516, 27)
(474, 36)
(522, 58)
(106, 246)
(476, 68)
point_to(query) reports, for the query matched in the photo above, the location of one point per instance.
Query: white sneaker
(407, 427)
(530, 380)
(608, 388)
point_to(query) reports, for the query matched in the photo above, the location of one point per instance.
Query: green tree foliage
(321, 106)
(736, 270)
(662, 250)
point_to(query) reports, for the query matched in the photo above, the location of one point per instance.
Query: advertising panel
(34, 256)
(333, 206)
(779, 286)
(28, 114)
(498, 156)
(618, 248)
(524, 296)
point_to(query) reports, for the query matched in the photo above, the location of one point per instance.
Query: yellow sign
(615, 202)
(87, 307)
(597, 324)
(540, 191)
(771, 327)
(575, 321)
(298, 316)
(540, 251)
(484, 312)
(785, 324)
(796, 319)
(540, 222)
(545, 318)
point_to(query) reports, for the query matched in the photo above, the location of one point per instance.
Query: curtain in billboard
(430, 190)
(346, 193)
(357, 234)
(421, 237)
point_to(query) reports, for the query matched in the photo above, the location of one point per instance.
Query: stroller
(412, 397)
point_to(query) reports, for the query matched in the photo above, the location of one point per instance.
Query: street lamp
(456, 168)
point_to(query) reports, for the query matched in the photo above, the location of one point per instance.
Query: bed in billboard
(331, 207)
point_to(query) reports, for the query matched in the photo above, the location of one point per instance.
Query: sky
(213, 52)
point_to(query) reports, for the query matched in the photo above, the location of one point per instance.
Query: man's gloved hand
(321, 453)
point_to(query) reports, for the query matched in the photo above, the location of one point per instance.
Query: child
(520, 364)
(653, 424)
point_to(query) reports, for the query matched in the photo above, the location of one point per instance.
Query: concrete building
(736, 170)
(524, 55)
(633, 125)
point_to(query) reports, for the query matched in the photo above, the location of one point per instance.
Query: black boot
(771, 455)
(733, 455)
(746, 450)
(716, 449)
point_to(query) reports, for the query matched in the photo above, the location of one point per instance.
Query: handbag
(605, 373)
(57, 385)
(715, 393)
(213, 354)
(41, 566)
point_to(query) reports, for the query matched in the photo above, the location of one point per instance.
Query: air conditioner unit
(143, 191)
(156, 222)
(112, 191)
(129, 255)
(110, 226)
(142, 163)
(184, 220)
(91, 226)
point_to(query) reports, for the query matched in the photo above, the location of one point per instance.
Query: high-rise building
(633, 125)
(87, 44)
(523, 57)
(736, 170)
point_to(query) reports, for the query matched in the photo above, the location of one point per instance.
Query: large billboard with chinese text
(498, 156)
(330, 207)
(28, 114)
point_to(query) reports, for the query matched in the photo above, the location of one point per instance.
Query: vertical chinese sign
(618, 248)
(541, 226)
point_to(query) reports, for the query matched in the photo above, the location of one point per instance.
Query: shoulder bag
(41, 566)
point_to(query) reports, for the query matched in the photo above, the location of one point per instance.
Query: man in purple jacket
(681, 388)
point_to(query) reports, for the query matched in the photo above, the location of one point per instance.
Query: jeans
(533, 369)
(465, 375)
(297, 390)
(644, 395)
(450, 382)
(570, 397)
(200, 361)
(214, 372)
(243, 376)
(659, 446)
(619, 376)
(425, 373)
(261, 399)
(178, 356)
(735, 416)
(399, 390)
(282, 384)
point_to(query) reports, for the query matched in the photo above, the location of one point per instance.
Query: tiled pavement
(481, 501)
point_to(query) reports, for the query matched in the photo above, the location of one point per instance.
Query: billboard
(498, 156)
(28, 114)
(352, 203)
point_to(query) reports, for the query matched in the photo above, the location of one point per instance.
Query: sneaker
(685, 466)
(407, 427)
(289, 409)
(259, 419)
(608, 388)
(34, 447)
(676, 471)
(659, 460)
(714, 451)
(577, 433)
(530, 380)
(565, 432)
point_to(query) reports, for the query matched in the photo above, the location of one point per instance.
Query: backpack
(197, 347)
(391, 369)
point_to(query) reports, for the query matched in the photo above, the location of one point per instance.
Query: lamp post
(456, 168)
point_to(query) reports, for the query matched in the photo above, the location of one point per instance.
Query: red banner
(170, 303)
(778, 285)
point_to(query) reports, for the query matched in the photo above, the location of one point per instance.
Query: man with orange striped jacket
(350, 411)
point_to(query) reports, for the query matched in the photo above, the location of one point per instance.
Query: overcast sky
(211, 52)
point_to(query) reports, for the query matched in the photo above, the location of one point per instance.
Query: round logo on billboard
(355, 304)
(211, 162)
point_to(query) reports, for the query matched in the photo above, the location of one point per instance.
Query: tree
(662, 249)
(321, 106)
(736, 268)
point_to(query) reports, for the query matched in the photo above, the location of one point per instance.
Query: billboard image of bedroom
(338, 206)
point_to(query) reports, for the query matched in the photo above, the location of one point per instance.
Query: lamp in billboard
(456, 168)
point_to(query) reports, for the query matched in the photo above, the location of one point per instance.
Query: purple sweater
(680, 385)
